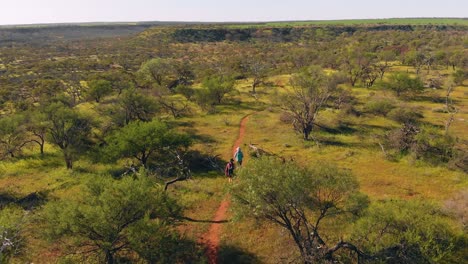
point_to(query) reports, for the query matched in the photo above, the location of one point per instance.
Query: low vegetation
(112, 149)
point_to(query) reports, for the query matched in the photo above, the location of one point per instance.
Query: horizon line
(213, 22)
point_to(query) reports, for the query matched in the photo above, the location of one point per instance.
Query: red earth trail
(211, 238)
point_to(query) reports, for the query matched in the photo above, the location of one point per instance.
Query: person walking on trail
(229, 170)
(239, 156)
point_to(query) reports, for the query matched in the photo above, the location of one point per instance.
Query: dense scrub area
(112, 149)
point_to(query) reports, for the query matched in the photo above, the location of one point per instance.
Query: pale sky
(56, 11)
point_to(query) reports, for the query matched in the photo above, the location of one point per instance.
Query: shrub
(405, 115)
(186, 91)
(286, 118)
(379, 106)
(403, 84)
(129, 215)
(460, 76)
(431, 146)
(213, 91)
(12, 220)
(402, 139)
(424, 143)
(459, 160)
(99, 89)
(398, 231)
(457, 205)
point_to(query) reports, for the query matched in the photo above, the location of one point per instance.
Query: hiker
(239, 156)
(229, 170)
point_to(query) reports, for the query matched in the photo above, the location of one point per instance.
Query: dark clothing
(229, 170)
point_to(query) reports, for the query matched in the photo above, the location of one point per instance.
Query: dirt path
(211, 239)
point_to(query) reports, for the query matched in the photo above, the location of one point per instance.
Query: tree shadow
(343, 129)
(228, 254)
(203, 163)
(27, 202)
(204, 221)
(332, 141)
(236, 106)
(199, 137)
(402, 254)
(367, 127)
(430, 99)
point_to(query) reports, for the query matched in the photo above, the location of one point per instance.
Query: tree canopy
(113, 216)
(298, 199)
(146, 142)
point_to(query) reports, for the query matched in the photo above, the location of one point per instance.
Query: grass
(389, 21)
(246, 240)
(362, 22)
(378, 177)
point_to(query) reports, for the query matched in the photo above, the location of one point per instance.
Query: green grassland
(248, 240)
(362, 22)
(389, 21)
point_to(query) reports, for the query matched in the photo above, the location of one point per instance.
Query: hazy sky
(53, 11)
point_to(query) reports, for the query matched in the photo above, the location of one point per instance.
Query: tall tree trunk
(306, 131)
(68, 160)
(109, 257)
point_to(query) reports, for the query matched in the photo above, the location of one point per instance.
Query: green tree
(257, 69)
(68, 130)
(399, 231)
(385, 57)
(12, 239)
(416, 59)
(12, 135)
(134, 105)
(147, 141)
(311, 89)
(432, 146)
(47, 89)
(460, 76)
(99, 89)
(214, 90)
(157, 72)
(403, 84)
(299, 200)
(114, 216)
(358, 64)
(36, 124)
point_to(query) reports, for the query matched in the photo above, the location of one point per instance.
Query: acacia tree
(402, 83)
(113, 216)
(416, 59)
(37, 125)
(68, 130)
(99, 89)
(214, 90)
(47, 89)
(299, 200)
(156, 72)
(165, 75)
(146, 141)
(133, 105)
(12, 136)
(396, 231)
(257, 69)
(311, 89)
(384, 62)
(356, 64)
